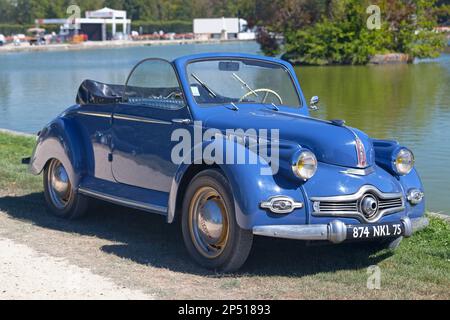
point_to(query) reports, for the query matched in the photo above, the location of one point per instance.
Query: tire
(61, 197)
(210, 231)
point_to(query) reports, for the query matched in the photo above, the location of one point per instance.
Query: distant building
(99, 25)
(222, 28)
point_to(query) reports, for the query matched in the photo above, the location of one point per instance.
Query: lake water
(408, 103)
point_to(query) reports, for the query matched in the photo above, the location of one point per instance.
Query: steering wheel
(267, 91)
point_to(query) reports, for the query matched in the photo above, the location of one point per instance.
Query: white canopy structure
(113, 17)
(95, 23)
(223, 28)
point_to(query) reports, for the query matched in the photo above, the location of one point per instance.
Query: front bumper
(335, 232)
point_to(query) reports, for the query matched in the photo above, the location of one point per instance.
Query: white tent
(101, 18)
(111, 16)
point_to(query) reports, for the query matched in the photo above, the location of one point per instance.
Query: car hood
(331, 143)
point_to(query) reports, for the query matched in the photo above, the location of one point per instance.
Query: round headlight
(306, 165)
(404, 162)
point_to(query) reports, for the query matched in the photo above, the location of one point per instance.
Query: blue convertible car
(225, 144)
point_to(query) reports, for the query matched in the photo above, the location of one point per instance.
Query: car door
(153, 107)
(95, 123)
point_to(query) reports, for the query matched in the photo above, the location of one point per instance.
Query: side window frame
(124, 95)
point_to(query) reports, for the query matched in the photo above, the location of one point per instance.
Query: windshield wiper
(204, 85)
(246, 86)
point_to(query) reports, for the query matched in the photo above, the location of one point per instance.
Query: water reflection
(5, 91)
(408, 103)
(380, 99)
(43, 84)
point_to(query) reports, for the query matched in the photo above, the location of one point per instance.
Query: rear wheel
(210, 230)
(62, 200)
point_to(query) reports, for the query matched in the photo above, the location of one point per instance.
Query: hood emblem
(361, 152)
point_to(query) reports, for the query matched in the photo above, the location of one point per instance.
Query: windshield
(215, 82)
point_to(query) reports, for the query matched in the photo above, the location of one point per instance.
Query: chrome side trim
(139, 119)
(296, 115)
(182, 121)
(346, 212)
(124, 202)
(95, 114)
(172, 201)
(361, 152)
(359, 172)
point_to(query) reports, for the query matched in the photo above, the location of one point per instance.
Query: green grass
(423, 259)
(14, 176)
(276, 269)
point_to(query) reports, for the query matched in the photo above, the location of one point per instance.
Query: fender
(385, 149)
(60, 140)
(242, 178)
(413, 181)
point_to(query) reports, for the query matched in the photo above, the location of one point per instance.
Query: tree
(343, 38)
(5, 11)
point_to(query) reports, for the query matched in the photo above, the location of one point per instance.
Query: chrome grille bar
(350, 205)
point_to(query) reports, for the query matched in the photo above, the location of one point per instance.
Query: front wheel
(210, 230)
(62, 200)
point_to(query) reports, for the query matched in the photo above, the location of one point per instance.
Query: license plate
(375, 231)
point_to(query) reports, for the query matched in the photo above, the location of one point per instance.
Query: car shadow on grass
(146, 239)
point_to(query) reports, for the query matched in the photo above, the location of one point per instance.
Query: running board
(124, 202)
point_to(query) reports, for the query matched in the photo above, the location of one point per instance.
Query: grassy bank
(140, 251)
(14, 177)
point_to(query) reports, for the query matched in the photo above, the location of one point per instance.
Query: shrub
(345, 39)
(11, 29)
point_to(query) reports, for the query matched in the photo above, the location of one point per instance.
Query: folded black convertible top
(94, 92)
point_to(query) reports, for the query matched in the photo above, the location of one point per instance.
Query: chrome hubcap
(208, 221)
(59, 184)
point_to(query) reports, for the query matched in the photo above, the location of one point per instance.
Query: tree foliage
(26, 11)
(342, 37)
(315, 31)
(148, 15)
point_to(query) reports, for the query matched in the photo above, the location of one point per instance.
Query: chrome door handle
(182, 121)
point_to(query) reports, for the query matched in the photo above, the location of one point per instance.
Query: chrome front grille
(353, 206)
(390, 203)
(332, 206)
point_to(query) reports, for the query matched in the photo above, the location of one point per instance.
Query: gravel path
(26, 274)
